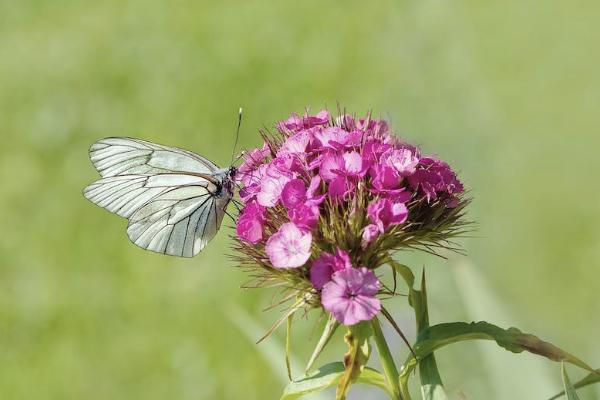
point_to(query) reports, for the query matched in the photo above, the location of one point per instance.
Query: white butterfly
(174, 199)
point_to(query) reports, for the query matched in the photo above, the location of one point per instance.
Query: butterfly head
(227, 181)
(232, 172)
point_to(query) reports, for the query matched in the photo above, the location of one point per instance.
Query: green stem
(387, 361)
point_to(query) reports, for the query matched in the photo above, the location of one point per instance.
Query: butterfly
(174, 199)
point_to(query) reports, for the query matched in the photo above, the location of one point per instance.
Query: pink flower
(306, 216)
(249, 225)
(293, 194)
(254, 159)
(331, 163)
(385, 178)
(289, 247)
(353, 165)
(302, 203)
(295, 144)
(434, 177)
(340, 188)
(383, 214)
(350, 296)
(404, 161)
(331, 137)
(296, 123)
(278, 173)
(324, 266)
(270, 190)
(251, 183)
(370, 233)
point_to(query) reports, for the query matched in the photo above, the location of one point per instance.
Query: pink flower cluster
(286, 184)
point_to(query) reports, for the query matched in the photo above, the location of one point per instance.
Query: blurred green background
(508, 92)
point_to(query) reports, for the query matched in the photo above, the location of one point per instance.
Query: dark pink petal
(306, 216)
(293, 194)
(340, 187)
(327, 263)
(249, 225)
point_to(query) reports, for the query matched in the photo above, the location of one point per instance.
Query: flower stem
(387, 361)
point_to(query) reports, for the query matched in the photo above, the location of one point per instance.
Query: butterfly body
(174, 199)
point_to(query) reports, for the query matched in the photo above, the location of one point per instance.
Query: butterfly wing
(121, 156)
(173, 202)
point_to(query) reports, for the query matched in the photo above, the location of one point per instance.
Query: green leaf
(432, 387)
(387, 361)
(590, 379)
(328, 376)
(404, 271)
(569, 389)
(511, 339)
(330, 328)
(431, 383)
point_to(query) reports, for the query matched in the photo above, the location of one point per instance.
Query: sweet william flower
(350, 295)
(385, 213)
(294, 194)
(296, 123)
(253, 159)
(324, 266)
(289, 247)
(306, 216)
(317, 185)
(403, 160)
(250, 223)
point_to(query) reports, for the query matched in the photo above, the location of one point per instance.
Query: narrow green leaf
(511, 339)
(569, 389)
(387, 361)
(328, 376)
(431, 382)
(288, 333)
(590, 379)
(432, 387)
(404, 271)
(330, 328)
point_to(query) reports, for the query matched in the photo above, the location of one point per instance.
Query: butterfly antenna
(237, 134)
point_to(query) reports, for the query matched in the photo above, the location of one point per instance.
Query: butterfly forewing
(119, 156)
(173, 198)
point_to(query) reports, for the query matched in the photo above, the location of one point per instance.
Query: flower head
(324, 196)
